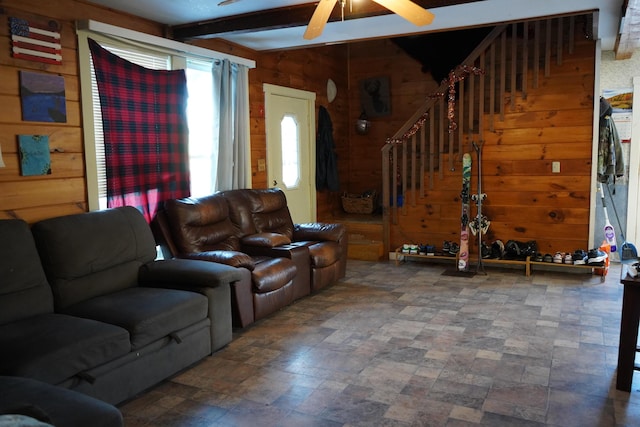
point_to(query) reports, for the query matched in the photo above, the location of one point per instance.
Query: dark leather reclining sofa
(252, 230)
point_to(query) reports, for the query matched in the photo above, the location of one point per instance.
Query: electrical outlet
(555, 167)
(262, 165)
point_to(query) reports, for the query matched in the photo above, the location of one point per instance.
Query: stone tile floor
(407, 346)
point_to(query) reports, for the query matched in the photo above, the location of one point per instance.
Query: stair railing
(450, 119)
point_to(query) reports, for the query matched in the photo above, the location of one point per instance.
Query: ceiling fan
(405, 8)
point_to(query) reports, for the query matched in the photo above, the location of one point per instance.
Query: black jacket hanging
(326, 162)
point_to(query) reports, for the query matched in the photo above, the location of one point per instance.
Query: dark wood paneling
(525, 200)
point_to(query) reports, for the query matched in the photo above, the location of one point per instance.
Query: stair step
(365, 250)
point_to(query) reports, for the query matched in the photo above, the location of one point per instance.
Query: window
(290, 152)
(202, 155)
(157, 53)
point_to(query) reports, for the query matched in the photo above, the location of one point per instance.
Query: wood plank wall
(64, 191)
(409, 87)
(525, 200)
(303, 69)
(553, 123)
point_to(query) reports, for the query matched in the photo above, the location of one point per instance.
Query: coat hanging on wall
(326, 161)
(610, 159)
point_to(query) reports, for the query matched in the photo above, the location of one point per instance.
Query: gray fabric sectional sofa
(85, 306)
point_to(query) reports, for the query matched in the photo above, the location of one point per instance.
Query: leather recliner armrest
(319, 231)
(181, 273)
(232, 258)
(268, 240)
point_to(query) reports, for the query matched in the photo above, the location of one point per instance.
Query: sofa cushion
(200, 225)
(54, 347)
(270, 212)
(147, 313)
(231, 258)
(94, 253)
(240, 210)
(24, 291)
(60, 406)
(272, 273)
(318, 231)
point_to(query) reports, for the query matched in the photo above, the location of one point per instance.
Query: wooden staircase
(489, 88)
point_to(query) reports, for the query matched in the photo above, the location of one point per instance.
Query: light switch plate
(555, 167)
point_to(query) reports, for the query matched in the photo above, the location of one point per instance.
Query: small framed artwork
(42, 97)
(375, 96)
(34, 155)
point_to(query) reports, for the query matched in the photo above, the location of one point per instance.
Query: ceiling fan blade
(408, 10)
(319, 19)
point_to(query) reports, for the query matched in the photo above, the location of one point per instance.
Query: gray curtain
(231, 90)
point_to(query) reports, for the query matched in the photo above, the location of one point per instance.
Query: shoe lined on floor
(497, 249)
(579, 257)
(568, 258)
(547, 258)
(538, 257)
(558, 258)
(454, 248)
(596, 257)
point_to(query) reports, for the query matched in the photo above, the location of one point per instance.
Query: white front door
(290, 131)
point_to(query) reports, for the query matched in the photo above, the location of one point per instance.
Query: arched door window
(290, 151)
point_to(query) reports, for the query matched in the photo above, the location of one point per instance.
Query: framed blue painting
(34, 155)
(43, 97)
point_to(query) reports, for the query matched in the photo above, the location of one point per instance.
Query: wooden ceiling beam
(286, 17)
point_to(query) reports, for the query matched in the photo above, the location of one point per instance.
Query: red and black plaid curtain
(145, 132)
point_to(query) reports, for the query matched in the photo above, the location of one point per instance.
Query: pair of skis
(480, 224)
(463, 258)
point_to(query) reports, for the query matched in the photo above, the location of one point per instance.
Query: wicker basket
(358, 203)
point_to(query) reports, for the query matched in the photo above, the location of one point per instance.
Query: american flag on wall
(35, 42)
